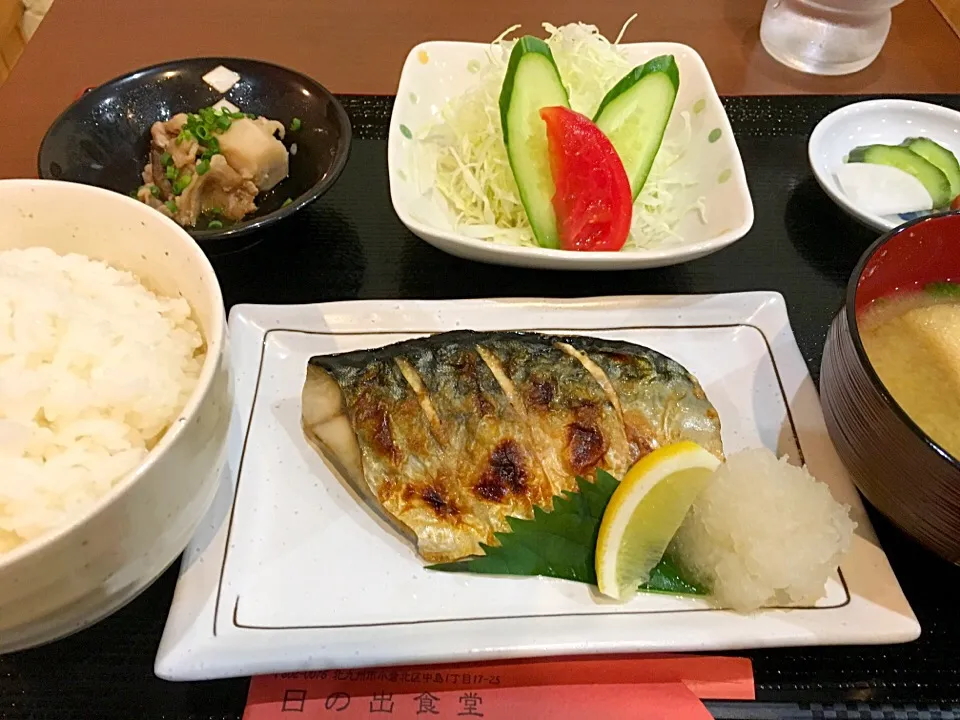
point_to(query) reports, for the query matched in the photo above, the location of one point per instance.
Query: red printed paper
(608, 687)
(564, 702)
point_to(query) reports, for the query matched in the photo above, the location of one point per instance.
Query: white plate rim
(192, 649)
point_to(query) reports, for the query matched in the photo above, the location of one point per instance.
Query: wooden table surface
(358, 46)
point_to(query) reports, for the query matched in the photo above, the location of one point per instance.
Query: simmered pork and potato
(212, 165)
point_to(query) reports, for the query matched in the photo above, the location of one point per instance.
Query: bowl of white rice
(114, 403)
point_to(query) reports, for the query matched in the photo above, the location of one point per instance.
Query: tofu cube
(225, 104)
(221, 78)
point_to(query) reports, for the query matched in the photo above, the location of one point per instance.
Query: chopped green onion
(215, 211)
(942, 289)
(250, 116)
(165, 158)
(171, 205)
(203, 167)
(295, 124)
(214, 224)
(182, 183)
(204, 125)
(286, 202)
(171, 172)
(155, 191)
(236, 115)
(135, 193)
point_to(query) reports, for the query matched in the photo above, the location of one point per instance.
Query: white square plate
(290, 572)
(436, 72)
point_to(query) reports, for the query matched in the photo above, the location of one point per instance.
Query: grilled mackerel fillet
(452, 433)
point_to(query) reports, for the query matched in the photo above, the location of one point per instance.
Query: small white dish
(435, 72)
(291, 572)
(886, 122)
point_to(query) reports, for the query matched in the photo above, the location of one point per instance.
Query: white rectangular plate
(290, 572)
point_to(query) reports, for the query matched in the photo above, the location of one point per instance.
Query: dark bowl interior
(103, 138)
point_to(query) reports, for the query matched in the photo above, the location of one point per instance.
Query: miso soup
(913, 342)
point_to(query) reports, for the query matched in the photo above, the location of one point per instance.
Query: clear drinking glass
(826, 37)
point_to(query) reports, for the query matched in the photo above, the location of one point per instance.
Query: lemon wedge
(645, 512)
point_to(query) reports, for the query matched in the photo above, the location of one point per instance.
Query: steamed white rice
(93, 369)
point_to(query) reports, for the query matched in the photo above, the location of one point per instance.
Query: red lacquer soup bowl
(899, 469)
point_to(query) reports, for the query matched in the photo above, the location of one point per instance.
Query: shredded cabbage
(468, 160)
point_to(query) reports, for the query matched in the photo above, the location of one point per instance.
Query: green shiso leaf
(562, 544)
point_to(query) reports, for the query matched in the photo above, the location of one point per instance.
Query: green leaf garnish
(562, 543)
(668, 578)
(943, 289)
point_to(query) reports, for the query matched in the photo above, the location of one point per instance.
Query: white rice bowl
(94, 368)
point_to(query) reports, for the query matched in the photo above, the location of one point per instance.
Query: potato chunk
(252, 150)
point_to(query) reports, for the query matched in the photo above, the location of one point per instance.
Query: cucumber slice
(532, 82)
(635, 112)
(939, 156)
(932, 177)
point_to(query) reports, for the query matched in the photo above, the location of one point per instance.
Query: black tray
(350, 245)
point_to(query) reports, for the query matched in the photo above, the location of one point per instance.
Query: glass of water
(826, 37)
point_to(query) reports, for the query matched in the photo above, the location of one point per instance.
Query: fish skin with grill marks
(451, 434)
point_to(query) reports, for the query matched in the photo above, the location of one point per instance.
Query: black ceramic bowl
(103, 138)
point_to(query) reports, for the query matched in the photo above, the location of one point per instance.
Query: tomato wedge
(593, 201)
